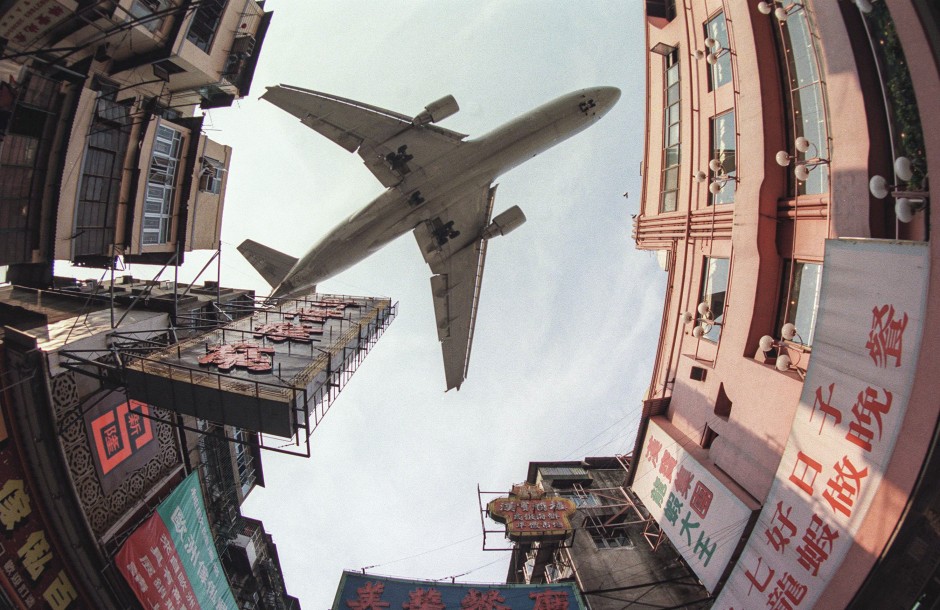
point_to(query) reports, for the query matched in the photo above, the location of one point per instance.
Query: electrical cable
(440, 548)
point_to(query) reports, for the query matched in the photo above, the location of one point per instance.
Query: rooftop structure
(276, 372)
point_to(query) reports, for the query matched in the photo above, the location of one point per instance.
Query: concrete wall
(204, 224)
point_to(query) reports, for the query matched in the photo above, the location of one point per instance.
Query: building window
(799, 299)
(555, 572)
(806, 105)
(210, 177)
(714, 289)
(143, 11)
(664, 9)
(719, 73)
(102, 173)
(613, 536)
(161, 186)
(205, 23)
(550, 472)
(670, 178)
(244, 461)
(581, 501)
(723, 150)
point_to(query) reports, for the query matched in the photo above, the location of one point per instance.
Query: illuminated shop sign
(364, 592)
(529, 515)
(31, 570)
(700, 515)
(868, 335)
(170, 561)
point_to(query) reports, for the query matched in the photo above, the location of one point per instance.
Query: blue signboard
(366, 592)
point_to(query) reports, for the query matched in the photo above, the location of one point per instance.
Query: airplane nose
(608, 96)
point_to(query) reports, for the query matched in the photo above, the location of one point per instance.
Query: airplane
(439, 185)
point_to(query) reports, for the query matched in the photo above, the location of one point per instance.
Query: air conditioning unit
(245, 547)
(243, 43)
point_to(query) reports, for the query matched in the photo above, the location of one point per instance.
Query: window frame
(607, 537)
(707, 296)
(672, 122)
(244, 461)
(727, 157)
(801, 86)
(206, 20)
(715, 71)
(210, 177)
(789, 276)
(160, 189)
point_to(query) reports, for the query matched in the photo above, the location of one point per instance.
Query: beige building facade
(102, 154)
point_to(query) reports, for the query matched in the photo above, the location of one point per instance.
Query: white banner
(702, 518)
(868, 335)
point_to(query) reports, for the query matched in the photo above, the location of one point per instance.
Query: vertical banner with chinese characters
(702, 518)
(867, 339)
(171, 559)
(31, 569)
(365, 592)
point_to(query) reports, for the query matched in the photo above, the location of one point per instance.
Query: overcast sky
(569, 312)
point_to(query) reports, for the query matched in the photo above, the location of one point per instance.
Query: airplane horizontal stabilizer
(271, 264)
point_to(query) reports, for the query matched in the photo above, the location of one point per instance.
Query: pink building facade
(766, 125)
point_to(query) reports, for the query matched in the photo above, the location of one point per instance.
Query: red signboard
(31, 569)
(121, 432)
(151, 565)
(122, 436)
(171, 562)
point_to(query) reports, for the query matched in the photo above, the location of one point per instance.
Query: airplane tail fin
(271, 264)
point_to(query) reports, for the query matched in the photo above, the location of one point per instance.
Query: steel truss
(108, 365)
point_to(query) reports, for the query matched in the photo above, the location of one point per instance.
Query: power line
(440, 548)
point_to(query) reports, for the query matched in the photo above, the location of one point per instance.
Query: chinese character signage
(121, 435)
(700, 515)
(868, 333)
(170, 561)
(529, 515)
(31, 568)
(365, 592)
(28, 20)
(266, 373)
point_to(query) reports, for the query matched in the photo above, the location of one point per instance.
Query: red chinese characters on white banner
(853, 402)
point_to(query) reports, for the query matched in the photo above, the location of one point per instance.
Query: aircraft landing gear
(398, 161)
(416, 199)
(445, 232)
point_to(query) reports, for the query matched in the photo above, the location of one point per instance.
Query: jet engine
(437, 111)
(505, 223)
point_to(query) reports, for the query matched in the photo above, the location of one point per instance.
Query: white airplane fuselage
(474, 163)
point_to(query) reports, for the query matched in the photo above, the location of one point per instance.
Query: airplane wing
(453, 246)
(388, 142)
